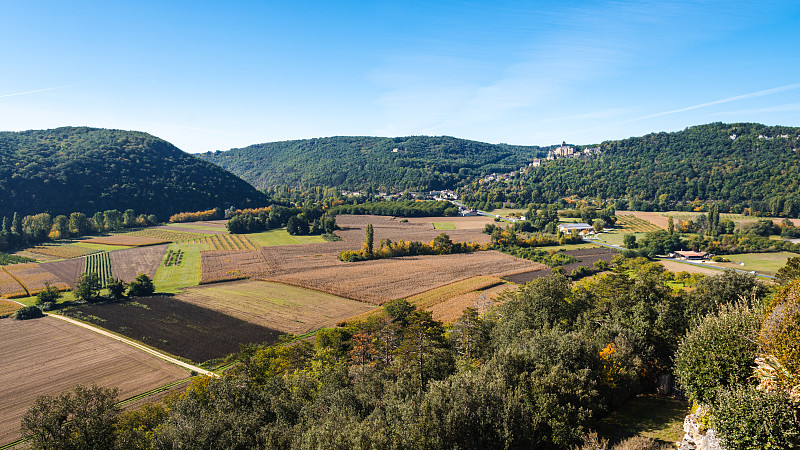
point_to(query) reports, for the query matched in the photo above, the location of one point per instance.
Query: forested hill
(741, 163)
(88, 169)
(356, 163)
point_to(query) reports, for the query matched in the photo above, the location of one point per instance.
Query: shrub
(746, 418)
(719, 351)
(142, 286)
(780, 333)
(49, 294)
(28, 312)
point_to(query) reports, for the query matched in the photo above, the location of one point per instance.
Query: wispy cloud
(35, 91)
(769, 109)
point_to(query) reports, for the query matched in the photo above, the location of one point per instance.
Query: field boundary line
(135, 344)
(25, 288)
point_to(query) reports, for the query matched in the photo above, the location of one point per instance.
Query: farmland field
(67, 270)
(640, 222)
(10, 287)
(62, 251)
(171, 279)
(677, 266)
(288, 309)
(167, 235)
(48, 356)
(228, 242)
(125, 240)
(176, 327)
(616, 237)
(33, 276)
(99, 247)
(100, 265)
(444, 226)
(467, 229)
(451, 309)
(7, 307)
(210, 227)
(279, 236)
(382, 280)
(127, 264)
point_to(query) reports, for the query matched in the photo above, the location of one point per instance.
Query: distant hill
(357, 163)
(88, 169)
(741, 163)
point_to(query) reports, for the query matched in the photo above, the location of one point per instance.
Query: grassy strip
(443, 226)
(649, 416)
(172, 279)
(279, 236)
(153, 391)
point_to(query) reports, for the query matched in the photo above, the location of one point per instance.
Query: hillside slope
(736, 163)
(88, 169)
(416, 162)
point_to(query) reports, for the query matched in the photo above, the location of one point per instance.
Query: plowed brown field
(49, 356)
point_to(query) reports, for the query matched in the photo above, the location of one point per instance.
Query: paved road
(136, 345)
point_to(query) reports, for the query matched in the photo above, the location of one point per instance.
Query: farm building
(467, 212)
(690, 255)
(582, 228)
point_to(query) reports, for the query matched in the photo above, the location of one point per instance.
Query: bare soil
(67, 271)
(49, 356)
(175, 327)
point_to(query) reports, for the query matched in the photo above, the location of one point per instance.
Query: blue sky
(209, 76)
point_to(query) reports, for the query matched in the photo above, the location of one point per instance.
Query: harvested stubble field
(383, 280)
(176, 327)
(33, 277)
(167, 235)
(288, 309)
(640, 222)
(441, 298)
(129, 263)
(49, 356)
(416, 229)
(62, 251)
(7, 307)
(587, 257)
(207, 227)
(126, 240)
(10, 287)
(451, 309)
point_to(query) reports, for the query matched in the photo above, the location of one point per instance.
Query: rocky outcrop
(696, 437)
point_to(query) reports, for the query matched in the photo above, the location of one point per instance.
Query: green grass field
(281, 237)
(172, 279)
(767, 263)
(648, 416)
(615, 237)
(443, 226)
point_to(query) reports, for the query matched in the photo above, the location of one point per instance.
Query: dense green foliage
(663, 171)
(370, 163)
(6, 259)
(87, 169)
(750, 419)
(298, 221)
(720, 351)
(28, 312)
